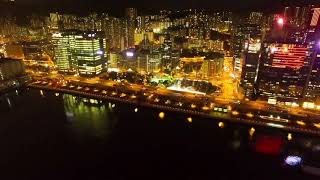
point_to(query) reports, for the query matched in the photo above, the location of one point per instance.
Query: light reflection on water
(9, 102)
(87, 118)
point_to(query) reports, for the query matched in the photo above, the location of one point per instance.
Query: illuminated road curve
(235, 115)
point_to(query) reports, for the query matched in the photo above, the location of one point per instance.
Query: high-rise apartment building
(256, 18)
(212, 66)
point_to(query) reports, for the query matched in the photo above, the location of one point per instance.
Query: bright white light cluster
(293, 160)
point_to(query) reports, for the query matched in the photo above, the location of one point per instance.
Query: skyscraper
(129, 26)
(244, 33)
(90, 53)
(80, 52)
(64, 51)
(113, 31)
(127, 33)
(313, 41)
(166, 60)
(282, 71)
(250, 65)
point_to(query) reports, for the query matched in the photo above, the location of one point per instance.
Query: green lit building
(90, 54)
(64, 44)
(80, 52)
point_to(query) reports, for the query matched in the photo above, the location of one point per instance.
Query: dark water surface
(60, 136)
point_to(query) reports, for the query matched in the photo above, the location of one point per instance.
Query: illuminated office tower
(90, 53)
(313, 40)
(170, 57)
(78, 52)
(283, 71)
(243, 33)
(249, 73)
(64, 44)
(250, 65)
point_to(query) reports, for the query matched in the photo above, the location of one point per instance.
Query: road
(251, 112)
(254, 105)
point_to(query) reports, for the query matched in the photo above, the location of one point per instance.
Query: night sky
(116, 6)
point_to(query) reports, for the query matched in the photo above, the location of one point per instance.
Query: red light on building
(270, 145)
(288, 55)
(280, 21)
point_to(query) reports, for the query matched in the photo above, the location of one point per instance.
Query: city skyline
(116, 8)
(228, 83)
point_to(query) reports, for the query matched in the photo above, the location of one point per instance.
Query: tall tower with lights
(63, 47)
(283, 68)
(80, 52)
(312, 89)
(90, 53)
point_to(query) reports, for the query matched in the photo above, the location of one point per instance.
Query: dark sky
(115, 6)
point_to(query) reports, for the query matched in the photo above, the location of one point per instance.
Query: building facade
(283, 71)
(80, 52)
(90, 54)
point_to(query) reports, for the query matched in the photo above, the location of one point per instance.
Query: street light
(161, 115)
(221, 124)
(289, 137)
(251, 131)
